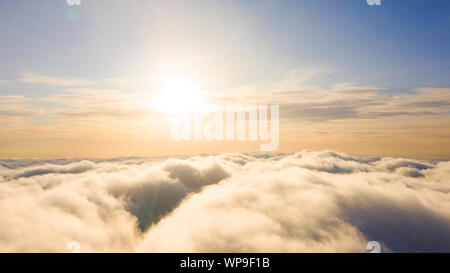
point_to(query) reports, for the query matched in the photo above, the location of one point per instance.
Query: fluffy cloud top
(302, 202)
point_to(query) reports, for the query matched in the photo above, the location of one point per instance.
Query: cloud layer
(307, 201)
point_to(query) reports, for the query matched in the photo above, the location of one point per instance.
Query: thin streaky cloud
(29, 77)
(14, 99)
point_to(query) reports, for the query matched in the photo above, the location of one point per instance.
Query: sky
(85, 81)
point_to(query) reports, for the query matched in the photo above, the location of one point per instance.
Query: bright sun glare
(178, 95)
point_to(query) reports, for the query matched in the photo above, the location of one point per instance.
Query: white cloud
(307, 201)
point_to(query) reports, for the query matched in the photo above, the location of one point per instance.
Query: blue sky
(398, 45)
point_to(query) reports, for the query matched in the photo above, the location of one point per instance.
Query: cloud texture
(307, 201)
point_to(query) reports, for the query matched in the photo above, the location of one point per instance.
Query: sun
(178, 95)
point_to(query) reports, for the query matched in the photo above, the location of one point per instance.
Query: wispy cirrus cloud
(14, 106)
(344, 100)
(95, 103)
(19, 112)
(14, 99)
(30, 77)
(38, 78)
(299, 101)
